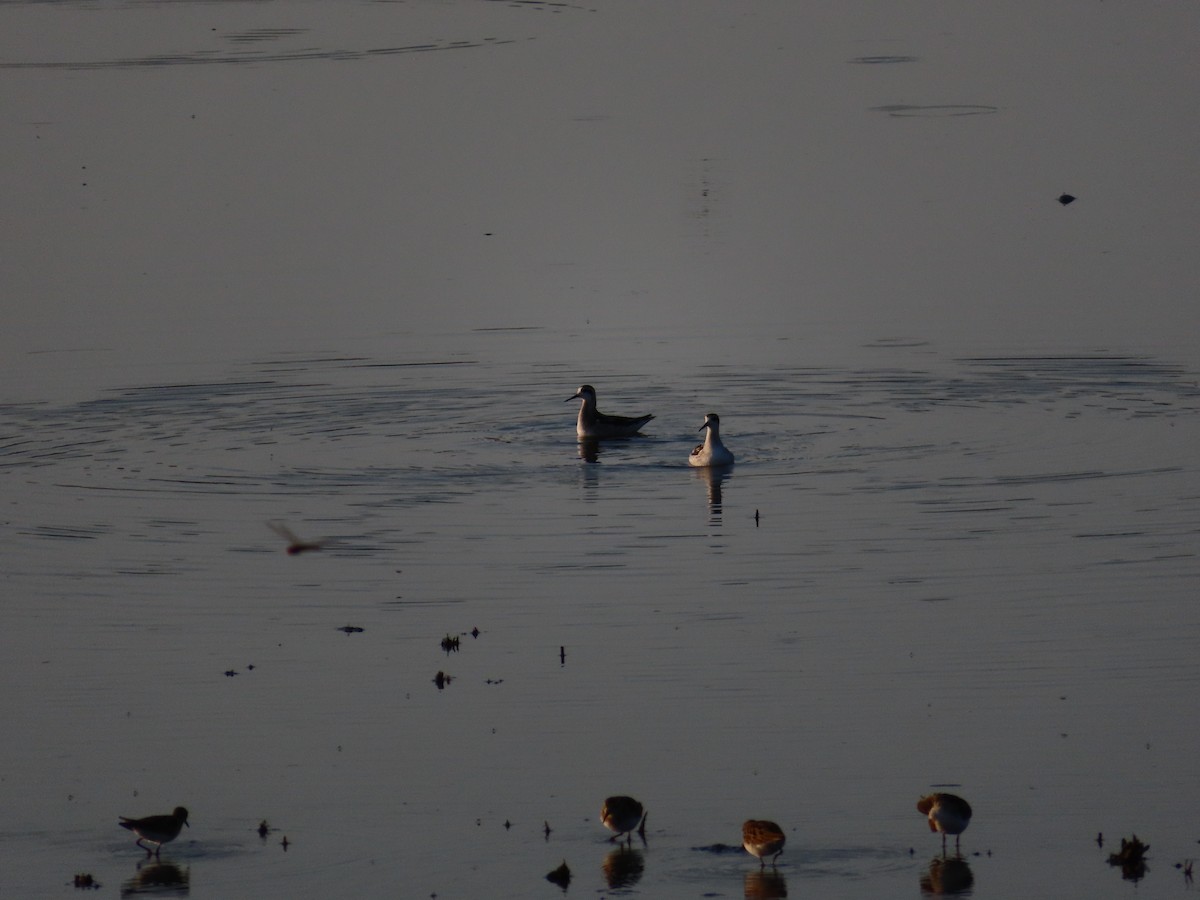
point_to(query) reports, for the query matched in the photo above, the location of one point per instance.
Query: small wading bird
(763, 838)
(158, 830)
(296, 544)
(622, 816)
(948, 813)
(594, 424)
(712, 452)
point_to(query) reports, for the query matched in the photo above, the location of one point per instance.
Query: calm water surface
(968, 571)
(340, 268)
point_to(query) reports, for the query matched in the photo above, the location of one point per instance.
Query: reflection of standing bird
(623, 867)
(764, 885)
(295, 543)
(157, 830)
(712, 452)
(158, 879)
(763, 838)
(594, 424)
(621, 815)
(948, 813)
(947, 876)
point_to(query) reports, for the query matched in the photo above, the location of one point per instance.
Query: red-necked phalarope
(712, 452)
(622, 816)
(948, 813)
(763, 838)
(158, 830)
(595, 424)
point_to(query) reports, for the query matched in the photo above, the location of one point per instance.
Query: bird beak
(702, 427)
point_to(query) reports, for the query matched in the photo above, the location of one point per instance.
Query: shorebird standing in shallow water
(712, 452)
(763, 838)
(594, 424)
(623, 815)
(948, 813)
(158, 830)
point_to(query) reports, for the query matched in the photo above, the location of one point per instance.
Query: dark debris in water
(1132, 850)
(351, 629)
(1064, 199)
(450, 644)
(441, 679)
(85, 881)
(1131, 859)
(560, 876)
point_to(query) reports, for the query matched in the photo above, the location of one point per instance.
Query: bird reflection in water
(765, 884)
(713, 478)
(589, 450)
(162, 879)
(623, 867)
(947, 876)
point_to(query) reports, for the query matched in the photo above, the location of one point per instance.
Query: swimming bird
(594, 424)
(763, 838)
(712, 452)
(158, 830)
(948, 813)
(622, 815)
